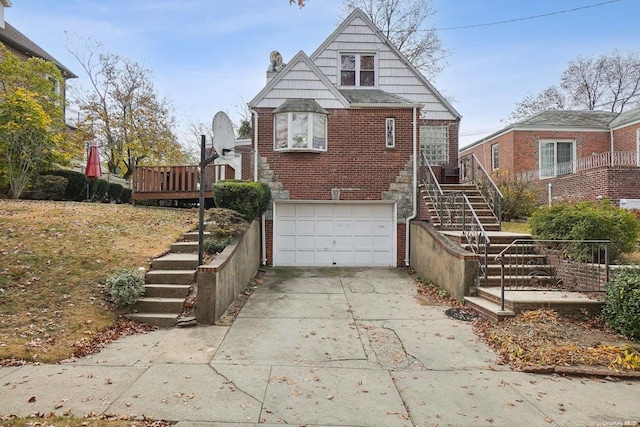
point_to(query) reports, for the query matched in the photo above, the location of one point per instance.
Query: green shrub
(588, 221)
(76, 187)
(214, 246)
(125, 197)
(622, 303)
(519, 197)
(49, 187)
(125, 287)
(249, 198)
(101, 190)
(114, 191)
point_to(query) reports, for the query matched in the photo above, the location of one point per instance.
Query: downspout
(612, 146)
(256, 157)
(414, 214)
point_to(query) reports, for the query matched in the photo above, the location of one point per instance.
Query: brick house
(569, 155)
(20, 45)
(336, 135)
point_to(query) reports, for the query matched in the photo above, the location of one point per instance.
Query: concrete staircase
(479, 204)
(167, 284)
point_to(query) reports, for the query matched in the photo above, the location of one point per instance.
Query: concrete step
(166, 291)
(184, 247)
(488, 309)
(159, 305)
(518, 281)
(518, 269)
(158, 319)
(192, 236)
(564, 302)
(177, 277)
(180, 261)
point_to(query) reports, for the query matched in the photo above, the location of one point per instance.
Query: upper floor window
(556, 158)
(434, 144)
(300, 131)
(358, 69)
(495, 159)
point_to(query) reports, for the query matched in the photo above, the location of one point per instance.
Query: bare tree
(404, 22)
(607, 82)
(550, 98)
(124, 113)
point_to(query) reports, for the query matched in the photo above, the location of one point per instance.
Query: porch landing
(487, 302)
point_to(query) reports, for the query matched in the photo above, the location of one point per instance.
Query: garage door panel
(334, 234)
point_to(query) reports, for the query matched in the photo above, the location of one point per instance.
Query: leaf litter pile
(543, 338)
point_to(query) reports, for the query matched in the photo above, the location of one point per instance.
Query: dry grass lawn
(54, 258)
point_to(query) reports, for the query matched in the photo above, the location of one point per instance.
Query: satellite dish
(224, 136)
(276, 61)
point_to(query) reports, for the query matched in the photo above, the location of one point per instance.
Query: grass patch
(516, 227)
(55, 260)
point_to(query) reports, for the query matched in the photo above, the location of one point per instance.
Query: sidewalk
(322, 347)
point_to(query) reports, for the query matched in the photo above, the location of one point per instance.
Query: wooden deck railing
(175, 182)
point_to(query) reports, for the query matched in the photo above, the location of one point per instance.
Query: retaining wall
(220, 282)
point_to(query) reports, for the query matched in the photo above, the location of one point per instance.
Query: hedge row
(69, 185)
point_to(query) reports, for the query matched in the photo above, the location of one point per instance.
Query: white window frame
(390, 132)
(442, 152)
(552, 172)
(291, 143)
(358, 55)
(495, 157)
(638, 147)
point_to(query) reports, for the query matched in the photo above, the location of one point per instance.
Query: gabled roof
(299, 57)
(18, 41)
(625, 118)
(357, 13)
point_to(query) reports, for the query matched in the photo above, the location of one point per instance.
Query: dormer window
(358, 69)
(300, 125)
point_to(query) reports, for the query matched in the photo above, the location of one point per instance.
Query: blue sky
(212, 55)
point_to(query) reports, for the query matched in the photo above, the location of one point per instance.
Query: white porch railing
(600, 160)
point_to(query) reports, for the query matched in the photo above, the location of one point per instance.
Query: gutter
(414, 214)
(256, 158)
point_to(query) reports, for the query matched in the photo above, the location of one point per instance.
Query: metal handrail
(490, 192)
(482, 241)
(447, 206)
(501, 256)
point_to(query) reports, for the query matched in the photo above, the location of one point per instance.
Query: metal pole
(203, 139)
(502, 283)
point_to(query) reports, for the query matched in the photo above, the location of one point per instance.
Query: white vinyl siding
(556, 158)
(392, 75)
(434, 144)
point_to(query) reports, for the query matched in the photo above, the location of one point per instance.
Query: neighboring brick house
(336, 136)
(24, 48)
(569, 155)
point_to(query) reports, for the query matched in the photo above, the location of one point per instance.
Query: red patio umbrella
(94, 170)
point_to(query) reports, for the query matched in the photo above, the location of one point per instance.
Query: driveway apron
(321, 347)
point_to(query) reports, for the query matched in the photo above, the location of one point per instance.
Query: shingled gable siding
(356, 160)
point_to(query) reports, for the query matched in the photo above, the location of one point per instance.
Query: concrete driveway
(324, 347)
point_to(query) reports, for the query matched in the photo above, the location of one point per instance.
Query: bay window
(300, 131)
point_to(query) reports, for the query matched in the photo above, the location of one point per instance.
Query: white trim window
(358, 70)
(556, 158)
(434, 144)
(638, 147)
(390, 128)
(300, 131)
(495, 157)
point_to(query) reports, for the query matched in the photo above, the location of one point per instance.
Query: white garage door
(358, 234)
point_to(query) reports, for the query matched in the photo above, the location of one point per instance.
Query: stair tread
(178, 257)
(489, 306)
(156, 299)
(171, 271)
